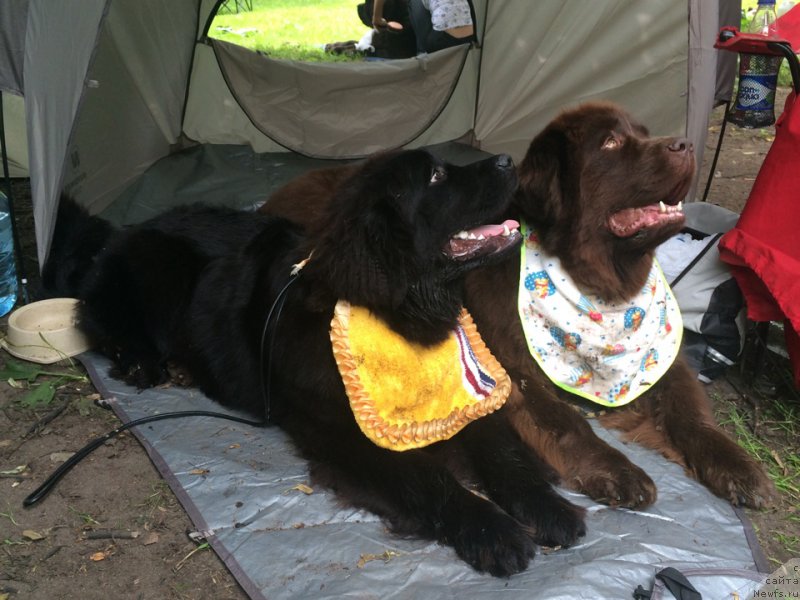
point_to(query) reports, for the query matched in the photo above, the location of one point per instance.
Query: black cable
(277, 305)
(719, 147)
(73, 460)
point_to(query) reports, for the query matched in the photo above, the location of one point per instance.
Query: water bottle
(8, 264)
(758, 75)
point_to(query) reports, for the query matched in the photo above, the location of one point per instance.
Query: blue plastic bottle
(758, 75)
(8, 265)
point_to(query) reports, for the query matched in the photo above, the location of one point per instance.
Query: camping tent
(114, 86)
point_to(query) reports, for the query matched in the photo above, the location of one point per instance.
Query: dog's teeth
(461, 235)
(679, 208)
(506, 231)
(472, 236)
(662, 207)
(481, 237)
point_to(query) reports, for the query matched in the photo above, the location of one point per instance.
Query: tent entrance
(340, 110)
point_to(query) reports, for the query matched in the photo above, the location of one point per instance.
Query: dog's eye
(438, 175)
(611, 143)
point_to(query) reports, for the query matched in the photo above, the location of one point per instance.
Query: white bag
(711, 303)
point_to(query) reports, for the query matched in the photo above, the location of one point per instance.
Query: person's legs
(428, 39)
(420, 18)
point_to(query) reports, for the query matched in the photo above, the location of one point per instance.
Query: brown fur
(569, 187)
(570, 184)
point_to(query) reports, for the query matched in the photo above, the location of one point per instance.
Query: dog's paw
(732, 474)
(141, 376)
(557, 522)
(607, 476)
(491, 541)
(552, 520)
(624, 485)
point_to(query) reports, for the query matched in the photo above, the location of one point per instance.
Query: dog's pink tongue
(492, 230)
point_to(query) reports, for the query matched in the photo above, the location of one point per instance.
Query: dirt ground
(113, 529)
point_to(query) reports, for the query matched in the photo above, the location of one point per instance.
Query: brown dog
(600, 195)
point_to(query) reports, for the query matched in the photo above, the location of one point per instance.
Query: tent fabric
(730, 15)
(703, 64)
(109, 149)
(14, 13)
(339, 110)
(763, 250)
(239, 484)
(216, 174)
(16, 137)
(230, 175)
(210, 95)
(620, 51)
(59, 44)
(116, 86)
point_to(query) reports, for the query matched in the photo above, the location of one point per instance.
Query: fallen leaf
(98, 556)
(15, 471)
(61, 456)
(17, 369)
(384, 556)
(150, 538)
(5, 443)
(198, 472)
(84, 406)
(93, 397)
(33, 535)
(39, 395)
(778, 460)
(302, 487)
(234, 446)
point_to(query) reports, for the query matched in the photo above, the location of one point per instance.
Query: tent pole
(22, 280)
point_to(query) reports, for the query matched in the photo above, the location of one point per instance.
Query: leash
(275, 309)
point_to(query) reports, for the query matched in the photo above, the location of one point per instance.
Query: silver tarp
(241, 487)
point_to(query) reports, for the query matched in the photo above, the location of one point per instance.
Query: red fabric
(733, 40)
(787, 29)
(788, 26)
(763, 248)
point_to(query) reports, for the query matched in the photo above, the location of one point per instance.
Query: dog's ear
(362, 261)
(542, 180)
(383, 261)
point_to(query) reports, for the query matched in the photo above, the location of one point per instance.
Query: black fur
(175, 289)
(77, 240)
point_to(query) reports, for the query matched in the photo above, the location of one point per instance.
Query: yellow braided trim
(394, 436)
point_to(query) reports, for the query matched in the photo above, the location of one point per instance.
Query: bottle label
(756, 92)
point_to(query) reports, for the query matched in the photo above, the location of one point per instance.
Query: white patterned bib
(606, 352)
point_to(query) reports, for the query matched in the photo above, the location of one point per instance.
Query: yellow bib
(405, 395)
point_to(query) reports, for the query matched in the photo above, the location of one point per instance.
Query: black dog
(174, 289)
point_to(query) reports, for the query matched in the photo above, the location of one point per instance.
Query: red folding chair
(763, 249)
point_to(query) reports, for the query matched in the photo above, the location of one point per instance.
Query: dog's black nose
(504, 161)
(681, 145)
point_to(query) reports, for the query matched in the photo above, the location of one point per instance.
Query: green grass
(780, 421)
(291, 29)
(775, 445)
